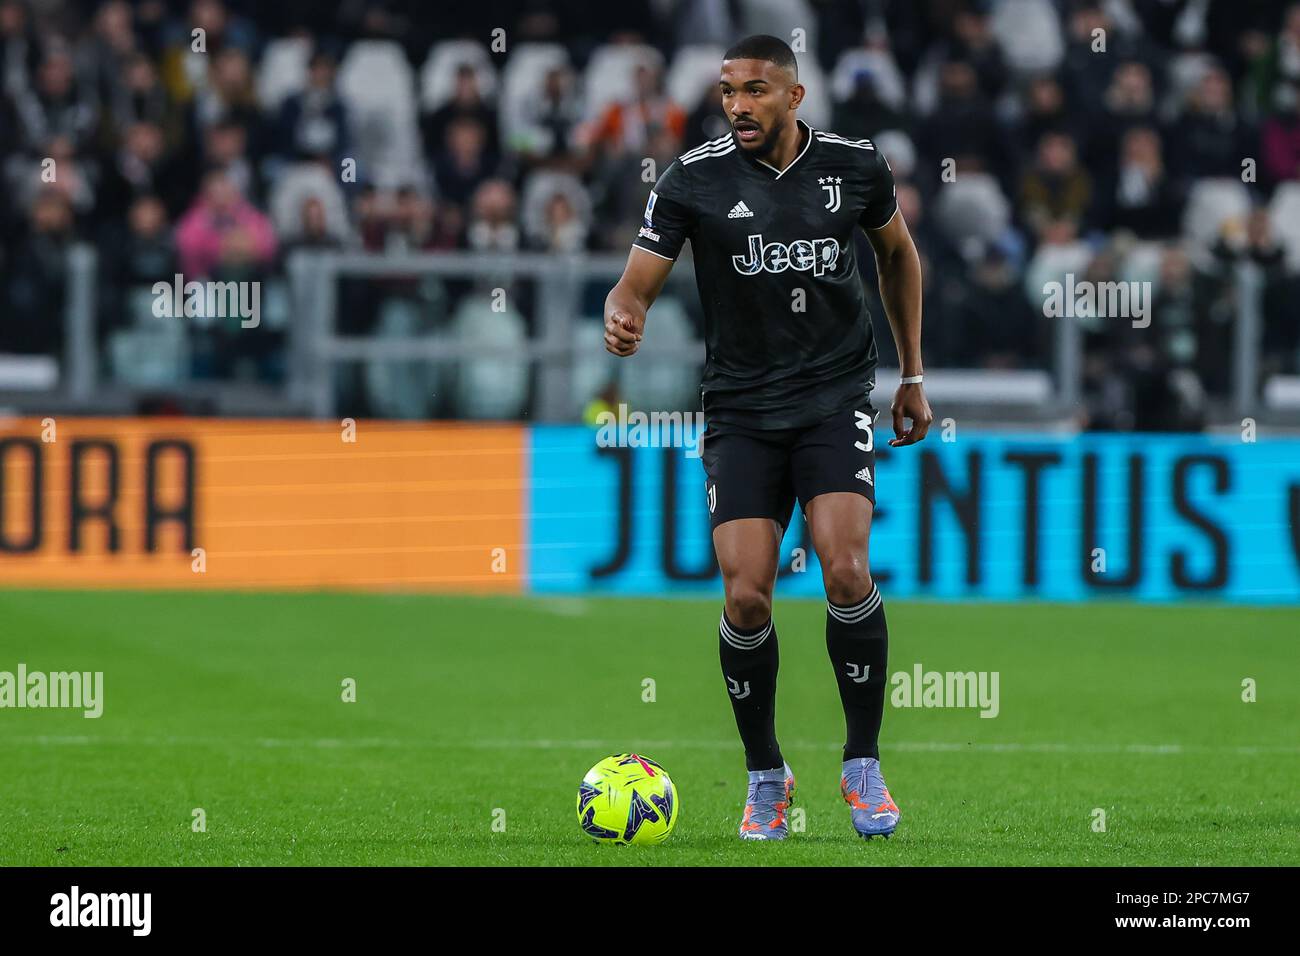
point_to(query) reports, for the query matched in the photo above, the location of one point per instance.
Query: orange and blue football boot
(771, 792)
(873, 810)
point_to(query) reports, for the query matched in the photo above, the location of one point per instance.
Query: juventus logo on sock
(750, 661)
(733, 688)
(857, 640)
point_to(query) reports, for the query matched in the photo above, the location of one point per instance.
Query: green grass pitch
(475, 710)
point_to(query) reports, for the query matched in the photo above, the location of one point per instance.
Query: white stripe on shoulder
(700, 153)
(827, 134)
(713, 155)
(841, 141)
(706, 147)
(708, 143)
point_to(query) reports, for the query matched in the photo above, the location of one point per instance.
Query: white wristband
(911, 380)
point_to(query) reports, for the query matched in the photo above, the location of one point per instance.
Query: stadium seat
(924, 88)
(593, 367)
(1184, 72)
(899, 152)
(692, 71)
(611, 74)
(296, 184)
(521, 78)
(490, 388)
(1052, 263)
(817, 103)
(32, 372)
(403, 390)
(780, 18)
(539, 189)
(1284, 213)
(890, 85)
(972, 207)
(664, 382)
(375, 71)
(1030, 34)
(138, 308)
(1142, 264)
(1282, 392)
(438, 75)
(150, 355)
(1211, 203)
(275, 305)
(377, 84)
(282, 71)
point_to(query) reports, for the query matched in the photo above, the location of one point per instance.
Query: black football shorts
(753, 473)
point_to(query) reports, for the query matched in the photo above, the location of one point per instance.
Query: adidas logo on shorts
(865, 475)
(740, 211)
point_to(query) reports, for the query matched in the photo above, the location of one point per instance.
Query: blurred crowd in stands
(1134, 140)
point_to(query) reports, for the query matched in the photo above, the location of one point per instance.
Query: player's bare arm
(899, 269)
(627, 303)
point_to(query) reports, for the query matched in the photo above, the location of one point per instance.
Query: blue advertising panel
(998, 516)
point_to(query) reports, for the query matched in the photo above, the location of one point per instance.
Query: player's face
(758, 98)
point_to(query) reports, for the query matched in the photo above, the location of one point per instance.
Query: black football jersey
(786, 325)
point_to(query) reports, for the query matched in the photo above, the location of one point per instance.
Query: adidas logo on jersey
(865, 475)
(740, 211)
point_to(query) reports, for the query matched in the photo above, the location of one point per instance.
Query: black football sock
(749, 664)
(858, 642)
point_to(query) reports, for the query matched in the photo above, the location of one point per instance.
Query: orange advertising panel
(262, 504)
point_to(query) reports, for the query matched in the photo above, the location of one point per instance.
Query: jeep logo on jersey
(819, 255)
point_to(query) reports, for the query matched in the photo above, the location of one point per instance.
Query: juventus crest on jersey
(786, 323)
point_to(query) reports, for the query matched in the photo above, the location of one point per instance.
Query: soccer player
(770, 210)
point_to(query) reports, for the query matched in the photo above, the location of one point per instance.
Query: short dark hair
(761, 46)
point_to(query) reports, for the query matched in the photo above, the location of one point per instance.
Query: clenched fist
(623, 332)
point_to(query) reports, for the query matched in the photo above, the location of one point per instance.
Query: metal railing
(560, 279)
(316, 348)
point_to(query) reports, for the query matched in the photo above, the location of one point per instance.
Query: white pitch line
(595, 744)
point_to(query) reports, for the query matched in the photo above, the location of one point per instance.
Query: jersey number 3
(864, 422)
